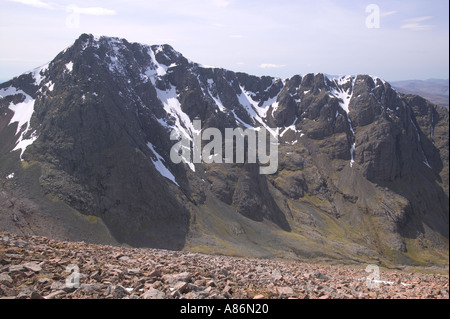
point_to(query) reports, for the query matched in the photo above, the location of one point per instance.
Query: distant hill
(434, 90)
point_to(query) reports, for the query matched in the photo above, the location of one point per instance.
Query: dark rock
(16, 268)
(153, 294)
(90, 288)
(36, 295)
(32, 267)
(54, 294)
(181, 287)
(119, 292)
(174, 278)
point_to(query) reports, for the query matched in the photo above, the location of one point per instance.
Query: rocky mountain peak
(89, 134)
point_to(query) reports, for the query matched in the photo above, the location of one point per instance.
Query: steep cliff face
(86, 140)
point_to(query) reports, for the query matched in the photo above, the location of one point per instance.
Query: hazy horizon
(395, 40)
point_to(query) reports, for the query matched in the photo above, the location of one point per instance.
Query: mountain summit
(85, 145)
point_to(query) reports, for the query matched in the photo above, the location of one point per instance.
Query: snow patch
(339, 93)
(36, 73)
(204, 66)
(183, 124)
(24, 143)
(217, 99)
(274, 108)
(256, 112)
(69, 66)
(50, 86)
(353, 147)
(159, 165)
(419, 140)
(238, 119)
(218, 102)
(291, 127)
(352, 154)
(10, 176)
(11, 90)
(172, 106)
(252, 106)
(161, 69)
(22, 115)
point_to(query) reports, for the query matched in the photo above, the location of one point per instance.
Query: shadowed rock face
(363, 170)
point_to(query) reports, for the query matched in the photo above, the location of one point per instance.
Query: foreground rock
(38, 267)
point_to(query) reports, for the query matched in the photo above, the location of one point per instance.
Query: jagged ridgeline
(85, 144)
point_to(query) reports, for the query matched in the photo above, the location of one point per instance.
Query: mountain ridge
(369, 162)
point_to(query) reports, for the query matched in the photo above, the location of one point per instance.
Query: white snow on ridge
(69, 66)
(183, 124)
(159, 165)
(257, 113)
(352, 154)
(274, 108)
(218, 101)
(345, 98)
(172, 106)
(22, 111)
(342, 79)
(50, 85)
(375, 78)
(24, 143)
(161, 69)
(22, 115)
(159, 49)
(11, 90)
(204, 66)
(420, 144)
(252, 107)
(353, 147)
(155, 68)
(340, 94)
(238, 119)
(36, 73)
(291, 127)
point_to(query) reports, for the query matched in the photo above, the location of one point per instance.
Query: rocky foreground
(38, 267)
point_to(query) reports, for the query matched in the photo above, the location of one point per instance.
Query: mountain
(85, 154)
(434, 90)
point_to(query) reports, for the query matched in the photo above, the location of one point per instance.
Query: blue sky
(410, 39)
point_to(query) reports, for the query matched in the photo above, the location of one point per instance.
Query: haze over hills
(85, 145)
(434, 90)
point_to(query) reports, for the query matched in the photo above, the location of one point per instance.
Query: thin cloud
(34, 3)
(221, 3)
(388, 13)
(271, 66)
(10, 59)
(414, 24)
(95, 11)
(236, 36)
(419, 19)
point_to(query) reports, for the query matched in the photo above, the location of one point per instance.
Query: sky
(395, 39)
